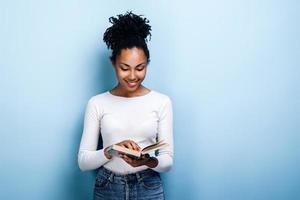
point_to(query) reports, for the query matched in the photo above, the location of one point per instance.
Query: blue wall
(230, 67)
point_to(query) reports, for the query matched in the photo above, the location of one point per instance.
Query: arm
(89, 157)
(165, 132)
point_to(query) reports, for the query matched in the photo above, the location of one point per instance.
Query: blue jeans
(143, 185)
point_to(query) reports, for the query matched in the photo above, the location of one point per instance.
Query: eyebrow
(135, 66)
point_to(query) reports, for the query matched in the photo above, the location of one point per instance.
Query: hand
(129, 144)
(144, 160)
(125, 143)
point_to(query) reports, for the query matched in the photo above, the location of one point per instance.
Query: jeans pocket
(152, 182)
(101, 182)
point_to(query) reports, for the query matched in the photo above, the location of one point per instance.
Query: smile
(132, 83)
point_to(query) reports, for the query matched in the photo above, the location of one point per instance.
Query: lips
(132, 83)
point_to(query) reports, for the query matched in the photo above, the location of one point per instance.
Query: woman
(129, 115)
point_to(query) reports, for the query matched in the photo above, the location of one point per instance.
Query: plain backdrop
(230, 67)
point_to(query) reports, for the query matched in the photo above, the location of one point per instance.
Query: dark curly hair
(127, 31)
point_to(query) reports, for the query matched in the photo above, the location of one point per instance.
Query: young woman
(129, 115)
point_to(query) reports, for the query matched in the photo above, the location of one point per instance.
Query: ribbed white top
(143, 119)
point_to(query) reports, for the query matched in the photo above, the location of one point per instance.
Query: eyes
(138, 68)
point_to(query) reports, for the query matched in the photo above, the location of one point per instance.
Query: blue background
(230, 67)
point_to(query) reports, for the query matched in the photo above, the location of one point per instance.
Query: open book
(116, 149)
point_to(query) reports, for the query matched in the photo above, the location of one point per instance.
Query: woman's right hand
(129, 144)
(125, 143)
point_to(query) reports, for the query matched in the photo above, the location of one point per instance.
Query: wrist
(106, 153)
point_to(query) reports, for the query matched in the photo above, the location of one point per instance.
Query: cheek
(121, 74)
(141, 74)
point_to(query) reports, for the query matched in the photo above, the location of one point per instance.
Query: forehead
(132, 55)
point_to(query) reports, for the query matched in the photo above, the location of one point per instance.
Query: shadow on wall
(79, 185)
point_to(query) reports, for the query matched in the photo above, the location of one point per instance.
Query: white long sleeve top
(143, 119)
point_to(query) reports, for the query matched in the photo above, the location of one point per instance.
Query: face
(130, 67)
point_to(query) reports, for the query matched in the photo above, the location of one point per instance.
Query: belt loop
(138, 176)
(111, 176)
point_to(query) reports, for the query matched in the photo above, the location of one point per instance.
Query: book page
(151, 145)
(154, 147)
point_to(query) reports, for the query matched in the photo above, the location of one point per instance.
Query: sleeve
(165, 132)
(89, 157)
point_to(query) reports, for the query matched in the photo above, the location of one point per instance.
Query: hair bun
(124, 27)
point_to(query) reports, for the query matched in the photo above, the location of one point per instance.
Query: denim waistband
(133, 176)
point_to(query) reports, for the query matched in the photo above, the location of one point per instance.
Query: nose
(132, 75)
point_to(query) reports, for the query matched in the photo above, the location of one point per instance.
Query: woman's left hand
(144, 160)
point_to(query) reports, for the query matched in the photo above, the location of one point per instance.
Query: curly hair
(127, 31)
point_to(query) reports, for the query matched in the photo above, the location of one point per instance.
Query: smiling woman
(127, 38)
(129, 115)
(130, 67)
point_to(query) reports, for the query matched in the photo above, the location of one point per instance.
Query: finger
(134, 163)
(135, 145)
(128, 145)
(131, 146)
(127, 159)
(122, 145)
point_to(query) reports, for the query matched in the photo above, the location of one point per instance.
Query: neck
(119, 91)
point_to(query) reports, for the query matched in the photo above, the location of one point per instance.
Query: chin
(129, 89)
